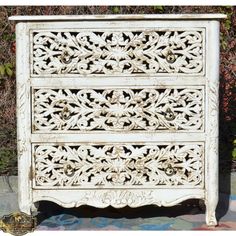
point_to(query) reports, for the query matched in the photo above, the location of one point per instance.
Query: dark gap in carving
(127, 66)
(90, 177)
(146, 64)
(87, 48)
(125, 36)
(147, 177)
(126, 150)
(108, 38)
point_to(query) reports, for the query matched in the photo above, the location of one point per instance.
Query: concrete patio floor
(185, 216)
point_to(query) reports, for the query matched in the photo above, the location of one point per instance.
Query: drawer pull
(170, 57)
(169, 115)
(169, 170)
(69, 170)
(66, 58)
(65, 113)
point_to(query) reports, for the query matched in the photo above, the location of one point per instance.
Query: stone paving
(8, 195)
(186, 216)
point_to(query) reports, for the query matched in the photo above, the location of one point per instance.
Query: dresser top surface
(118, 17)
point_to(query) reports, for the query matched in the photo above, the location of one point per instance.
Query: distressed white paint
(118, 17)
(212, 123)
(118, 197)
(127, 81)
(102, 165)
(23, 119)
(114, 137)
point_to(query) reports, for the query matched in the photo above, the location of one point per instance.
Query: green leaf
(223, 41)
(9, 71)
(116, 10)
(228, 24)
(159, 8)
(234, 153)
(9, 65)
(2, 70)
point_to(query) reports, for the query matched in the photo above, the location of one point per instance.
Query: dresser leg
(34, 208)
(30, 209)
(26, 209)
(211, 214)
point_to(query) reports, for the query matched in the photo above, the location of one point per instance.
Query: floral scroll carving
(118, 109)
(213, 115)
(22, 147)
(120, 198)
(111, 166)
(118, 52)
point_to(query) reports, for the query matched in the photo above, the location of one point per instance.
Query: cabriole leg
(211, 213)
(34, 208)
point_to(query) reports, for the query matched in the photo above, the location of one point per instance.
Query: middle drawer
(162, 108)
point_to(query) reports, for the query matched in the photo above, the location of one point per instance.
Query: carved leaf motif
(118, 165)
(117, 52)
(118, 109)
(120, 198)
(213, 117)
(22, 147)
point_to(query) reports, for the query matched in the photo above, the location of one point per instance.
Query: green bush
(234, 150)
(8, 161)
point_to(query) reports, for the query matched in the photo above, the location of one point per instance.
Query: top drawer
(58, 52)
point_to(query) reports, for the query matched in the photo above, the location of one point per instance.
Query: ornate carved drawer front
(118, 110)
(118, 51)
(118, 165)
(172, 108)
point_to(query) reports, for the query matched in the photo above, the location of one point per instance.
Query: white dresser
(118, 110)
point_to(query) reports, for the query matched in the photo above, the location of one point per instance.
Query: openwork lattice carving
(118, 109)
(112, 166)
(118, 52)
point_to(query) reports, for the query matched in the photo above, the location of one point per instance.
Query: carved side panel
(113, 52)
(21, 113)
(119, 109)
(212, 121)
(213, 117)
(23, 117)
(120, 165)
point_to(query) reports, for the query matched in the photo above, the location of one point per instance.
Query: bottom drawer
(132, 165)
